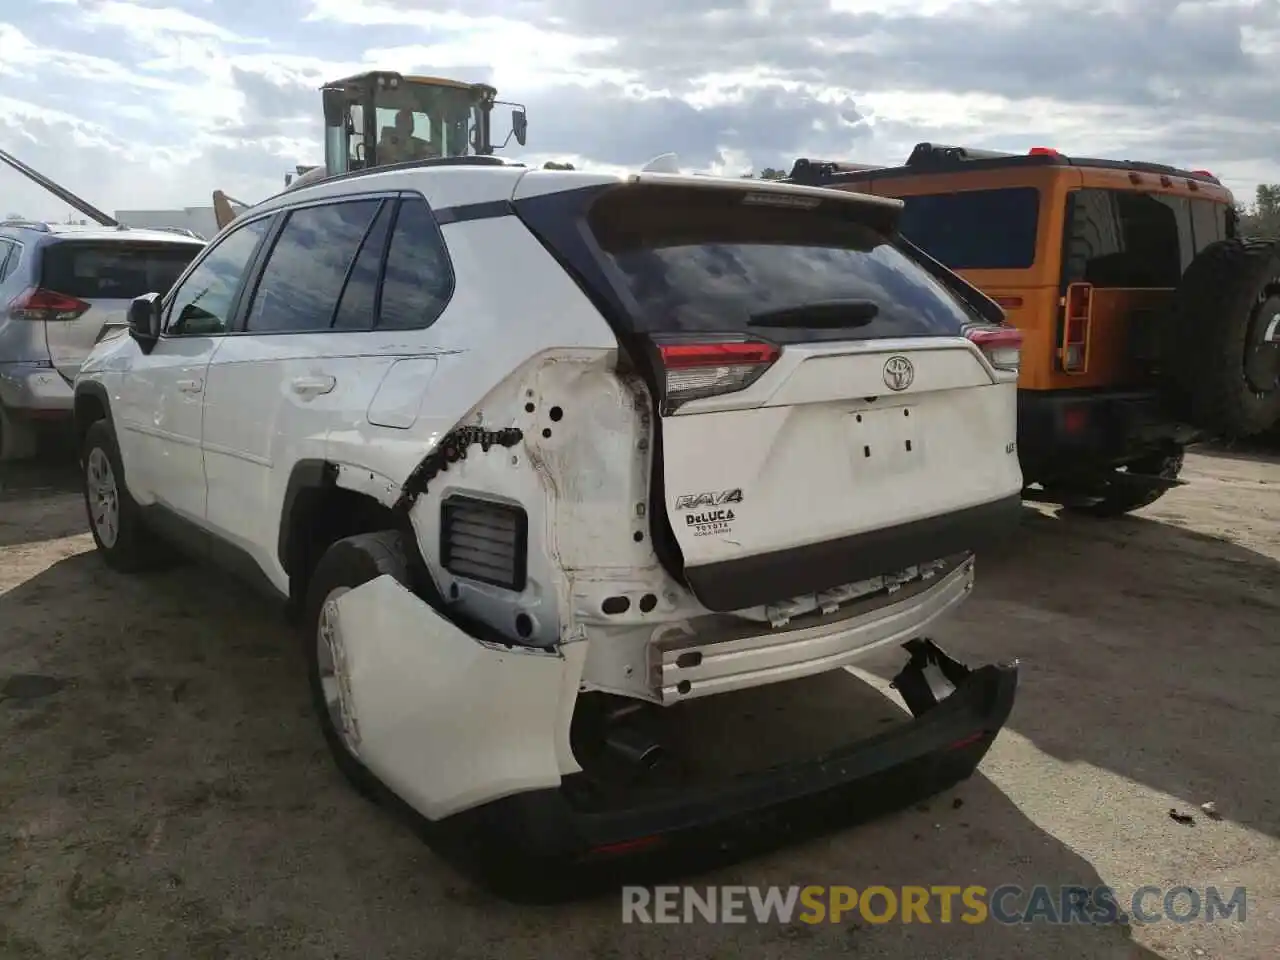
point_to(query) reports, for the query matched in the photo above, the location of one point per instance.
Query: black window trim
(258, 263)
(166, 305)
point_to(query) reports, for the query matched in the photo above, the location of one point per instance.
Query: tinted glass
(113, 271)
(1208, 222)
(705, 260)
(359, 303)
(1119, 238)
(975, 229)
(419, 279)
(307, 266)
(202, 304)
(8, 258)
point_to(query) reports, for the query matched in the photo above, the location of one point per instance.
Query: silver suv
(60, 285)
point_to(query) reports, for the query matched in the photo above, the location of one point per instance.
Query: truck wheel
(1227, 328)
(114, 517)
(345, 565)
(1120, 500)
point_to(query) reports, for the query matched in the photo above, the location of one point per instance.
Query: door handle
(313, 386)
(190, 386)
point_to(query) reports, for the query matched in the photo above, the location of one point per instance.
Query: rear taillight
(1073, 352)
(694, 369)
(1002, 346)
(36, 303)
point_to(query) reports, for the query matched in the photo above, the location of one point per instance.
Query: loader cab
(381, 117)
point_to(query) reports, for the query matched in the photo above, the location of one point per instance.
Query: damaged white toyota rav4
(543, 461)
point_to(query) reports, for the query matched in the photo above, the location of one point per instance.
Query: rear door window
(694, 260)
(307, 267)
(117, 270)
(975, 229)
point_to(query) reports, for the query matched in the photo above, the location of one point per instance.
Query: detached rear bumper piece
(523, 845)
(1068, 432)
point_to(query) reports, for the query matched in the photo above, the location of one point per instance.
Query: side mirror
(144, 320)
(519, 125)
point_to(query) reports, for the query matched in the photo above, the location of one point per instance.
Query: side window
(202, 304)
(7, 253)
(975, 229)
(1209, 222)
(1123, 239)
(307, 266)
(358, 307)
(418, 281)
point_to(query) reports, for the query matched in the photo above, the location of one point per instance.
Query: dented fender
(445, 721)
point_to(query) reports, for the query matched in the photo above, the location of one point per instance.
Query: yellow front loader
(381, 117)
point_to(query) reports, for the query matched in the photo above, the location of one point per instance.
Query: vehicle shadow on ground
(1147, 650)
(47, 480)
(165, 789)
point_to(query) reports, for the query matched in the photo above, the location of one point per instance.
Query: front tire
(115, 519)
(347, 564)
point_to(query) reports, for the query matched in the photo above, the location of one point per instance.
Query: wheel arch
(91, 404)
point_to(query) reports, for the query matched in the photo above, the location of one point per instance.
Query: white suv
(536, 455)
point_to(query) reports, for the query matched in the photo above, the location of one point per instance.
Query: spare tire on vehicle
(1226, 349)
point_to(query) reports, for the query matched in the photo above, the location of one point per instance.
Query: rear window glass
(700, 260)
(975, 229)
(113, 271)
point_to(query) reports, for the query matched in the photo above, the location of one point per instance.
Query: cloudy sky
(153, 103)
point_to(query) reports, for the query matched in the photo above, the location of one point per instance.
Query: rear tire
(1227, 304)
(115, 519)
(345, 565)
(1121, 500)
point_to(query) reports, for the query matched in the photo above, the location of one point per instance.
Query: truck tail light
(1073, 352)
(694, 369)
(37, 303)
(1002, 346)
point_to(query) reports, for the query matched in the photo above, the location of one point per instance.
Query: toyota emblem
(898, 373)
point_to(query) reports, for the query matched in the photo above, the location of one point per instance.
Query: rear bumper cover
(1072, 431)
(941, 746)
(772, 577)
(35, 388)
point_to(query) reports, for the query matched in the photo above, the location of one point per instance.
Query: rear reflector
(624, 847)
(36, 303)
(1002, 346)
(697, 369)
(967, 741)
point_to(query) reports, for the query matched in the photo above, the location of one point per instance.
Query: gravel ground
(164, 792)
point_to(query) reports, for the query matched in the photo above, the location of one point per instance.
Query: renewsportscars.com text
(1005, 904)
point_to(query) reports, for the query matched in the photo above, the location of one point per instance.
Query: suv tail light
(37, 303)
(708, 368)
(1002, 346)
(1077, 319)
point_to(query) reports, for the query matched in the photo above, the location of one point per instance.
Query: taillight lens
(694, 369)
(1002, 346)
(36, 303)
(1078, 316)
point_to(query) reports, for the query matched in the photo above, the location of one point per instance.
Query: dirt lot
(164, 792)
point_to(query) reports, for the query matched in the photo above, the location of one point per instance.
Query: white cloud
(142, 103)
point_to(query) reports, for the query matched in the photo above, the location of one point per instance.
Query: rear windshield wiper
(831, 314)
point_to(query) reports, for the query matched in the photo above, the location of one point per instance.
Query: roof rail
(933, 154)
(471, 160)
(27, 225)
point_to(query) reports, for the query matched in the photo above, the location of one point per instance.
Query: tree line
(1262, 217)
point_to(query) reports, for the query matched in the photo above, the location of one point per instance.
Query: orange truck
(1148, 322)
